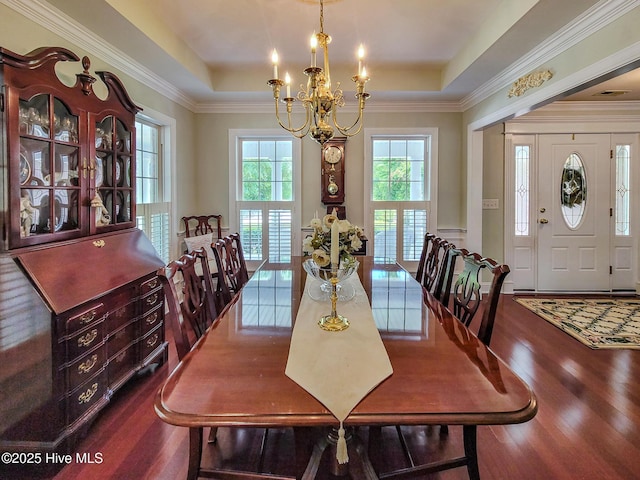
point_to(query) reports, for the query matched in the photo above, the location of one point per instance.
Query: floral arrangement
(318, 245)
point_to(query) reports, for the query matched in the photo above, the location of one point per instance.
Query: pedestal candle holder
(333, 322)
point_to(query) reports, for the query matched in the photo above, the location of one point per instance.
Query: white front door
(574, 222)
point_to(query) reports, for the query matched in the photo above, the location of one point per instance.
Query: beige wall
(213, 156)
(202, 153)
(609, 48)
(21, 35)
(493, 188)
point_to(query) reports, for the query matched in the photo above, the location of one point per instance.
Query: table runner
(338, 368)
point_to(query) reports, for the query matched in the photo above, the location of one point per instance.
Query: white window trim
(369, 135)
(169, 187)
(235, 135)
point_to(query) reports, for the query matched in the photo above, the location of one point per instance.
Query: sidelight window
(623, 181)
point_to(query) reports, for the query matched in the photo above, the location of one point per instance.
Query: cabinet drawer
(152, 319)
(149, 285)
(120, 316)
(85, 340)
(87, 395)
(151, 341)
(119, 339)
(87, 316)
(121, 364)
(85, 367)
(151, 300)
(122, 296)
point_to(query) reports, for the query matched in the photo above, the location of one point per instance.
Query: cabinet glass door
(114, 170)
(48, 167)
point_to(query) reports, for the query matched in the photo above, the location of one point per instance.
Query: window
(573, 191)
(522, 189)
(623, 194)
(401, 192)
(152, 215)
(265, 176)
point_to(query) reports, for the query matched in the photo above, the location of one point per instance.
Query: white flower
(316, 223)
(344, 226)
(307, 248)
(356, 243)
(318, 244)
(328, 220)
(321, 258)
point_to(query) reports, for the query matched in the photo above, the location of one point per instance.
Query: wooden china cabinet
(81, 310)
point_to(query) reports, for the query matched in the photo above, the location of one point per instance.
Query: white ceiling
(216, 50)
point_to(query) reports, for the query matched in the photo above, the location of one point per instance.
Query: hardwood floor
(587, 427)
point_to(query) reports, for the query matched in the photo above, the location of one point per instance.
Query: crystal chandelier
(320, 102)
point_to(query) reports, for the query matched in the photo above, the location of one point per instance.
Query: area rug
(598, 323)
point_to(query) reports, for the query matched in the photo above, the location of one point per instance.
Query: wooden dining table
(442, 375)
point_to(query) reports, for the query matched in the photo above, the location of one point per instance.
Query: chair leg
(213, 435)
(195, 452)
(263, 447)
(469, 433)
(405, 447)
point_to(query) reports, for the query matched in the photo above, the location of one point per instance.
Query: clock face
(332, 154)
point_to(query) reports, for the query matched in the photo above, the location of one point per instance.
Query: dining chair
(231, 266)
(239, 255)
(467, 298)
(446, 274)
(223, 289)
(195, 225)
(189, 316)
(434, 279)
(426, 248)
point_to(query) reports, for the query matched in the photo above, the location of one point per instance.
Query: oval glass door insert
(573, 191)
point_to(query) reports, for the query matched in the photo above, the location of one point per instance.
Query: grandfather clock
(333, 156)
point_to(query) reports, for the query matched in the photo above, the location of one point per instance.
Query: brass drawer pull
(86, 367)
(151, 341)
(88, 339)
(153, 283)
(88, 317)
(86, 396)
(151, 319)
(151, 299)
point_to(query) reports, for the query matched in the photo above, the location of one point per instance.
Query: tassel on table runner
(358, 350)
(342, 455)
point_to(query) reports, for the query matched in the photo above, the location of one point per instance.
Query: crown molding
(377, 107)
(597, 17)
(592, 106)
(601, 119)
(601, 14)
(47, 16)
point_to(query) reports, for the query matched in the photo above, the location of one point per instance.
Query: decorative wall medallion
(529, 81)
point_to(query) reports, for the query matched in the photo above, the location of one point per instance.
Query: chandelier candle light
(318, 99)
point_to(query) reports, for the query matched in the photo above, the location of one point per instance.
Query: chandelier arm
(302, 131)
(289, 128)
(346, 130)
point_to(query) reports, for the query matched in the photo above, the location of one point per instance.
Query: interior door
(574, 220)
